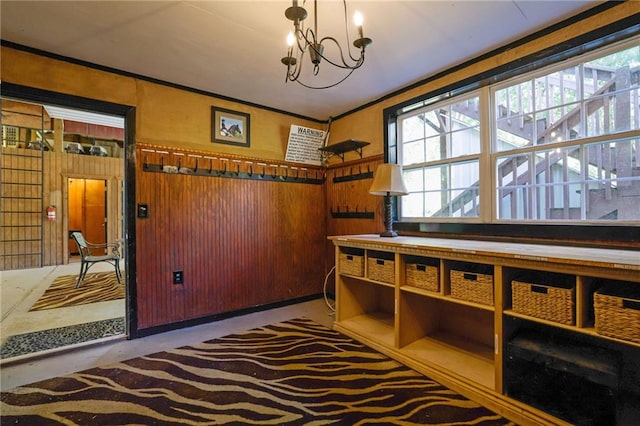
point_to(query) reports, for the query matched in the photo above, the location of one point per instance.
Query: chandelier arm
(292, 75)
(346, 32)
(303, 35)
(358, 62)
(326, 87)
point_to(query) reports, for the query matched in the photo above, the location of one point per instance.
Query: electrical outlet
(178, 277)
(143, 211)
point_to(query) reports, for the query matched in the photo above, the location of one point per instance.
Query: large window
(558, 144)
(440, 147)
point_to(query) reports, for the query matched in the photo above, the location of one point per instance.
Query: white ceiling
(233, 48)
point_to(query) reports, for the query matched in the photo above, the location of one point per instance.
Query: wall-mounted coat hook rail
(236, 167)
(148, 167)
(196, 157)
(353, 176)
(274, 171)
(191, 164)
(351, 214)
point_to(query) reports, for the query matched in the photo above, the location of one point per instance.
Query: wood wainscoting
(239, 242)
(351, 210)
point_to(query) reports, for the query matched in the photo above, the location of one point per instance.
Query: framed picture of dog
(230, 127)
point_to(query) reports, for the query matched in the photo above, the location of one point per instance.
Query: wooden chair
(87, 259)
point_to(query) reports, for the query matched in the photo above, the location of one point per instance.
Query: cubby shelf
(434, 295)
(461, 342)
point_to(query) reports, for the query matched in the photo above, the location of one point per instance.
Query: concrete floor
(20, 289)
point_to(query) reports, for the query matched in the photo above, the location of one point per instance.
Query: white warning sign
(303, 145)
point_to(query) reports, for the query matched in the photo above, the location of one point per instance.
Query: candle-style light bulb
(290, 39)
(358, 20)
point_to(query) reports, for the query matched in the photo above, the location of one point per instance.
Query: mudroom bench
(512, 326)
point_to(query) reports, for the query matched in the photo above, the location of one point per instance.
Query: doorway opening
(80, 175)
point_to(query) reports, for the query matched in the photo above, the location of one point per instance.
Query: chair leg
(83, 272)
(118, 275)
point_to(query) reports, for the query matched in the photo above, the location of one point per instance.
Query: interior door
(95, 217)
(87, 210)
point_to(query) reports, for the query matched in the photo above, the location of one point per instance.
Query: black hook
(250, 169)
(224, 169)
(275, 175)
(195, 169)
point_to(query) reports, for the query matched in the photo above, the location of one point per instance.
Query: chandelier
(303, 40)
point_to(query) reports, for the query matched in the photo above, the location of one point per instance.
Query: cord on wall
(324, 290)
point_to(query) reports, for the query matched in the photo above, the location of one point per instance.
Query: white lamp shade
(388, 181)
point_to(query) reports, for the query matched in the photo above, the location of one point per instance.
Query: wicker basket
(380, 268)
(422, 275)
(351, 262)
(617, 310)
(542, 301)
(472, 287)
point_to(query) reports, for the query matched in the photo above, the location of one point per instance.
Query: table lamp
(388, 181)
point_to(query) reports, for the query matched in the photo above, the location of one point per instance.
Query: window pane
(448, 129)
(413, 152)
(588, 99)
(593, 182)
(413, 128)
(613, 181)
(449, 190)
(513, 189)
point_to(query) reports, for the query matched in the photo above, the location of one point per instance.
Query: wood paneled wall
(240, 242)
(353, 195)
(57, 167)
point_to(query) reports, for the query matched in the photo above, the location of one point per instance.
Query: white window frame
(488, 157)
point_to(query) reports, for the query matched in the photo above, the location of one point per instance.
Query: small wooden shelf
(369, 280)
(345, 146)
(434, 295)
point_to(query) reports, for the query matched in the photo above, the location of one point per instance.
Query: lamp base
(389, 234)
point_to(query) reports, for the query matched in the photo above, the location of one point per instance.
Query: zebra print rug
(296, 372)
(96, 287)
(59, 337)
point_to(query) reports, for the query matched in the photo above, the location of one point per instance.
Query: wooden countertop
(594, 257)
